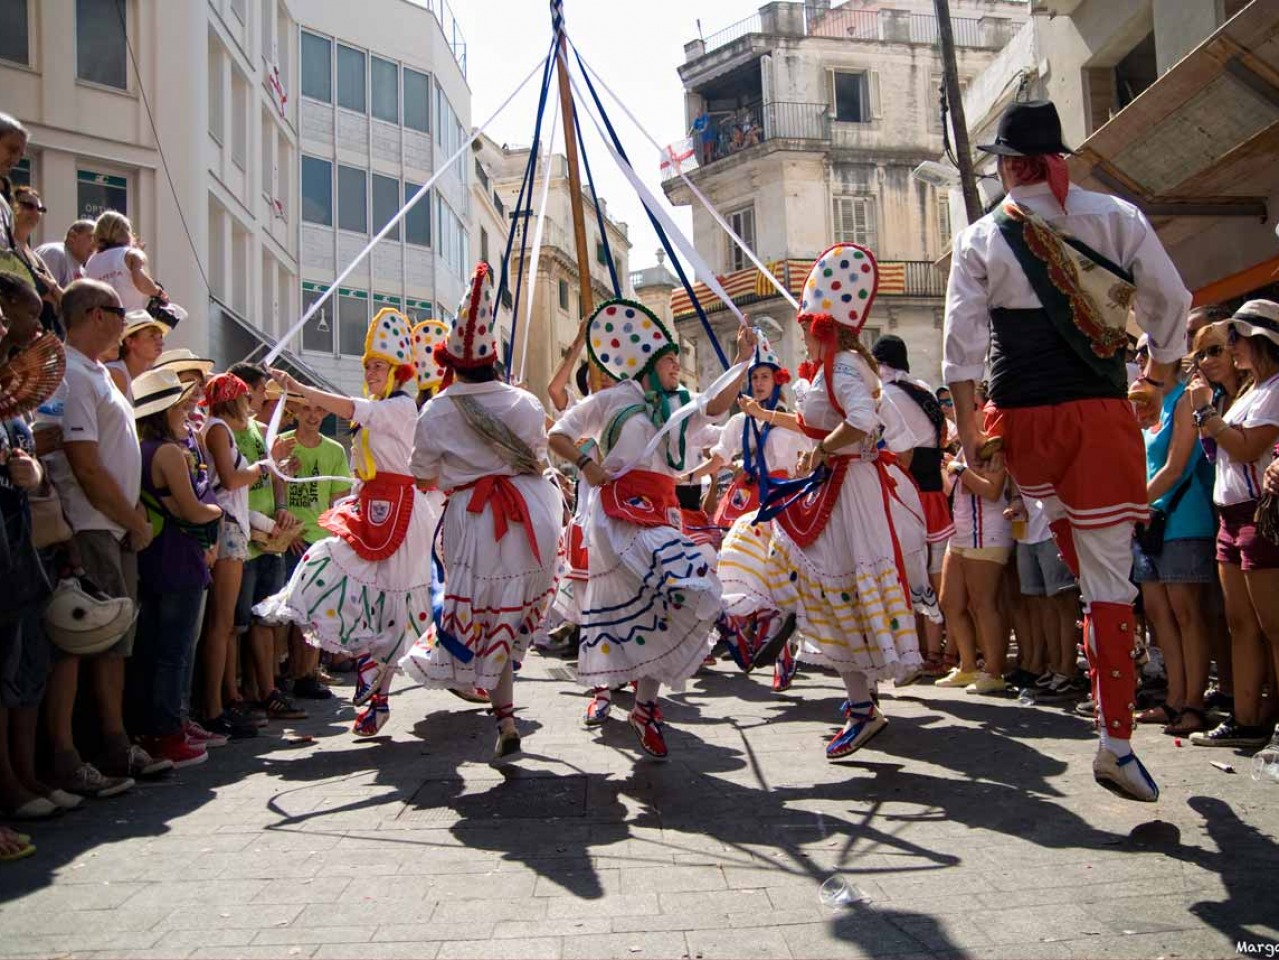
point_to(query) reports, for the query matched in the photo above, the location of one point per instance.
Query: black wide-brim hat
(1027, 129)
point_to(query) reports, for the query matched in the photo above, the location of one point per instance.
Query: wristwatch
(1203, 415)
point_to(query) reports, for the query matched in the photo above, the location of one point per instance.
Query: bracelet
(772, 417)
(821, 448)
(582, 461)
(1203, 415)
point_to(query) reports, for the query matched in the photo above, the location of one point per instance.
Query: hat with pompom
(625, 339)
(426, 335)
(842, 283)
(766, 356)
(472, 337)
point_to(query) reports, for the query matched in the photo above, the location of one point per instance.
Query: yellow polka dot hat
(842, 283)
(625, 339)
(426, 335)
(472, 337)
(390, 338)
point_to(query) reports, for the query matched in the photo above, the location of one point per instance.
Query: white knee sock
(858, 687)
(646, 690)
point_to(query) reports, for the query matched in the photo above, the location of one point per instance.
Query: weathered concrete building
(807, 121)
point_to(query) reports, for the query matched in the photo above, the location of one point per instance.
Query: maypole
(585, 293)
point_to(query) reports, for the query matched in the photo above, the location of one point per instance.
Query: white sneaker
(1124, 776)
(65, 800)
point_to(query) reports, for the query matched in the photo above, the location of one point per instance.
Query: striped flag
(892, 277)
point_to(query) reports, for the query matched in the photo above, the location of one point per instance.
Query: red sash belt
(643, 498)
(578, 558)
(805, 519)
(742, 497)
(375, 522)
(509, 506)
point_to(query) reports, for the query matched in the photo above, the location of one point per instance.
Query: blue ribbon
(780, 494)
(459, 651)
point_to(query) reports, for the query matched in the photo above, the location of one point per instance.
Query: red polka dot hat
(625, 339)
(842, 283)
(472, 338)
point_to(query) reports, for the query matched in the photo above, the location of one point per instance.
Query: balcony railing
(726, 36)
(720, 135)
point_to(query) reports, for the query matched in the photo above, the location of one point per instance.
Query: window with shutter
(854, 219)
(850, 97)
(743, 224)
(943, 218)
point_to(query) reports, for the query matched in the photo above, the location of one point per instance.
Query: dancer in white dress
(652, 597)
(483, 443)
(836, 559)
(759, 633)
(366, 589)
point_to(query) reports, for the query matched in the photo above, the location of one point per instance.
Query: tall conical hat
(842, 283)
(472, 338)
(390, 338)
(425, 336)
(766, 356)
(625, 339)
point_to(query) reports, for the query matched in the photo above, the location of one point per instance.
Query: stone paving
(971, 823)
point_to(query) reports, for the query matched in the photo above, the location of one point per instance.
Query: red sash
(375, 522)
(697, 526)
(509, 506)
(578, 559)
(741, 497)
(937, 516)
(643, 498)
(805, 519)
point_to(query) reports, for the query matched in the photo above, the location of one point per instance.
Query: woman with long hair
(1247, 562)
(483, 442)
(366, 589)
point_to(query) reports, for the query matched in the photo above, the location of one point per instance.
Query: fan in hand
(31, 377)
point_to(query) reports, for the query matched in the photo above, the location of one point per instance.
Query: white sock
(858, 687)
(646, 690)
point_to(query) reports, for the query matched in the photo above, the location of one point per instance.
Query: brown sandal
(1189, 720)
(1162, 713)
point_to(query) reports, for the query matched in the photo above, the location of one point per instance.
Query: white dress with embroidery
(345, 603)
(495, 591)
(852, 611)
(652, 597)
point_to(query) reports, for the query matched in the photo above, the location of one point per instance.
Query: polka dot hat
(472, 338)
(842, 283)
(765, 355)
(390, 338)
(625, 338)
(425, 336)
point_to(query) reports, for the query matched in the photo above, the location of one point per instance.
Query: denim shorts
(1180, 561)
(233, 544)
(1041, 570)
(263, 577)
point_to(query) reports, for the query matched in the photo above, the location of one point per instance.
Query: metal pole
(963, 150)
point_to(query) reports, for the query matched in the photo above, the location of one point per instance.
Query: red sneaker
(648, 730)
(197, 736)
(176, 749)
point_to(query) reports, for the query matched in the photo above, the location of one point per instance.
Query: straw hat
(274, 392)
(182, 360)
(135, 321)
(156, 390)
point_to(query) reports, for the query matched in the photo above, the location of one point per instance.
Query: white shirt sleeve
(1162, 300)
(80, 412)
(729, 446)
(425, 461)
(853, 394)
(585, 419)
(1264, 410)
(967, 330)
(898, 436)
(381, 414)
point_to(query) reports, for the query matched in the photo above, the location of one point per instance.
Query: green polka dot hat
(625, 339)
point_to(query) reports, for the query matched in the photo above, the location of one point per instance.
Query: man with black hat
(925, 419)
(1044, 284)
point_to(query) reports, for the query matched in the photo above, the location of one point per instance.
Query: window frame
(364, 195)
(399, 107)
(364, 77)
(332, 202)
(869, 203)
(420, 215)
(737, 259)
(101, 84)
(377, 223)
(302, 58)
(114, 174)
(405, 70)
(323, 314)
(25, 6)
(352, 296)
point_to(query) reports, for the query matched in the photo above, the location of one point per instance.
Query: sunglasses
(32, 205)
(118, 311)
(946, 403)
(1213, 352)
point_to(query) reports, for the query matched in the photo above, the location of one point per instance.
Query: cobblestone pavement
(972, 824)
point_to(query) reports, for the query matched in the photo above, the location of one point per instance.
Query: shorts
(1180, 561)
(263, 577)
(113, 568)
(937, 556)
(1239, 543)
(233, 543)
(25, 656)
(999, 555)
(1041, 570)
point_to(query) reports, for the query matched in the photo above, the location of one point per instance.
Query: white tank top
(980, 523)
(109, 267)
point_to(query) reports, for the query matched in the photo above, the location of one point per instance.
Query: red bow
(508, 507)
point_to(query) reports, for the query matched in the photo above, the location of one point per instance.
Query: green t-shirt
(250, 443)
(308, 500)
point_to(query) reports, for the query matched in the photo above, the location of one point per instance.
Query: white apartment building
(194, 118)
(383, 103)
(557, 308)
(181, 116)
(808, 120)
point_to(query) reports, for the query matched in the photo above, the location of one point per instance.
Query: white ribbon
(700, 266)
(710, 208)
(697, 405)
(537, 231)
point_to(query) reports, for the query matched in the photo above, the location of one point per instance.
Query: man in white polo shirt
(100, 496)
